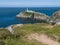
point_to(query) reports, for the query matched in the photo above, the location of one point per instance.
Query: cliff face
(55, 18)
(33, 16)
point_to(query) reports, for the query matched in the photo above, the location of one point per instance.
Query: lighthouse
(29, 10)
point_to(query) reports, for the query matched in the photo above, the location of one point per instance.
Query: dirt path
(43, 38)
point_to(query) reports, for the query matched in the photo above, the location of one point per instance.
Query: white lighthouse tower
(29, 10)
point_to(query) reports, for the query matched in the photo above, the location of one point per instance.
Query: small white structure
(29, 10)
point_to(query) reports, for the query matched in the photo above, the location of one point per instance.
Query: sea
(8, 14)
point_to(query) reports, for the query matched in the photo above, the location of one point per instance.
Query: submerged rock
(31, 15)
(55, 18)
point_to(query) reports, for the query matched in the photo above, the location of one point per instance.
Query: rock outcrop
(55, 18)
(10, 28)
(33, 16)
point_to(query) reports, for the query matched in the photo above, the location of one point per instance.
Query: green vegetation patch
(20, 36)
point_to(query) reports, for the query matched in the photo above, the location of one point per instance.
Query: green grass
(26, 29)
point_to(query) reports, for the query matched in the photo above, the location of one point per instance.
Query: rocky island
(32, 15)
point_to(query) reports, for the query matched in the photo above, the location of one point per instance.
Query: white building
(29, 10)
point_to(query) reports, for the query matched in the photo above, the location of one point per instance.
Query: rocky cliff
(55, 18)
(33, 16)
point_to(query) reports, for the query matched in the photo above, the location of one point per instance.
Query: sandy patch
(43, 39)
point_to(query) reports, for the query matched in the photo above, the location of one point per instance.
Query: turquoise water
(8, 14)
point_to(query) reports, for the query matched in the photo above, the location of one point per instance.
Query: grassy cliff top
(20, 38)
